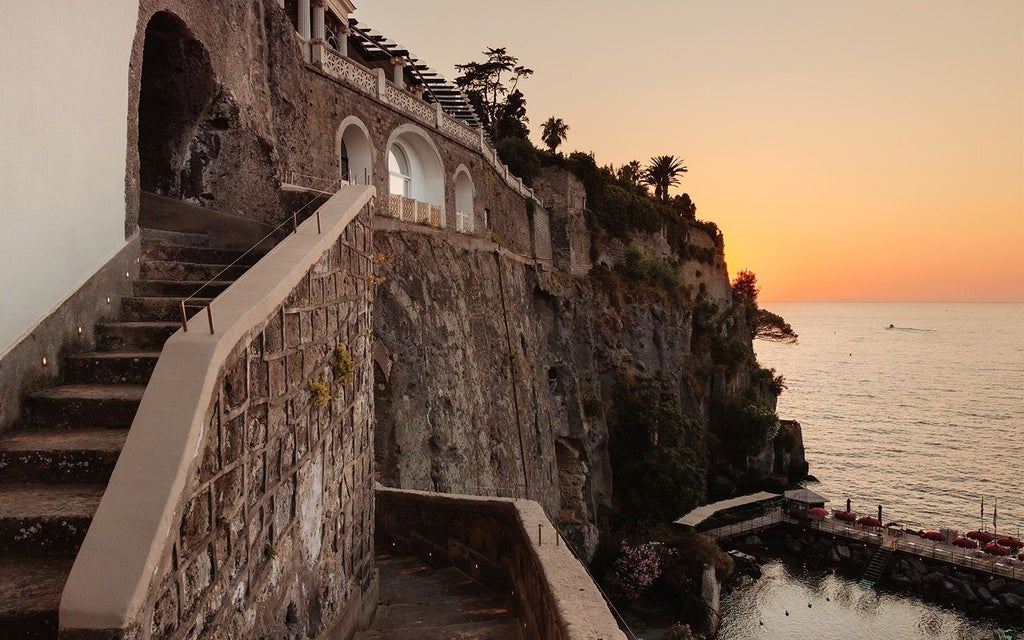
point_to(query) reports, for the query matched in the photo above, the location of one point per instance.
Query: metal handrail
(294, 221)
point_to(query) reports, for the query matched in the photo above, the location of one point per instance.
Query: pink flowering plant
(635, 570)
(680, 631)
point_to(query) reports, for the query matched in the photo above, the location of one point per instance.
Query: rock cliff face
(494, 376)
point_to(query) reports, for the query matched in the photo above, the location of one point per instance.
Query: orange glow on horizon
(848, 151)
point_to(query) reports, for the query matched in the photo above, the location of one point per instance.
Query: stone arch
(465, 191)
(176, 88)
(355, 151)
(425, 178)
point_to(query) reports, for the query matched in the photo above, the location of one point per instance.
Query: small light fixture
(127, 274)
(44, 361)
(108, 299)
(80, 330)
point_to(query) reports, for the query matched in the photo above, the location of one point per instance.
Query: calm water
(925, 419)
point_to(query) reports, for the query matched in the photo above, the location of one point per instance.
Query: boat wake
(893, 327)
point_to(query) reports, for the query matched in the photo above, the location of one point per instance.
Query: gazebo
(799, 501)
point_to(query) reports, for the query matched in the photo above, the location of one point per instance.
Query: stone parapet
(509, 545)
(242, 503)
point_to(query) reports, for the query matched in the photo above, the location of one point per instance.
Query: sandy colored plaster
(138, 514)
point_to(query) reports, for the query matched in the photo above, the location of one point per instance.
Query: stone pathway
(418, 602)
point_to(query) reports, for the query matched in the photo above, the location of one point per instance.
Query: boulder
(997, 585)
(918, 566)
(901, 581)
(983, 594)
(1012, 600)
(752, 542)
(844, 552)
(833, 556)
(934, 578)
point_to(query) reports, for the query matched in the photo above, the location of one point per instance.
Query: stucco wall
(64, 73)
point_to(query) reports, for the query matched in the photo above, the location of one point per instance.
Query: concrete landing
(418, 602)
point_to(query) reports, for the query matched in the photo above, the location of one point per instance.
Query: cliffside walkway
(419, 602)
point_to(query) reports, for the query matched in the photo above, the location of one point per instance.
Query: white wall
(63, 137)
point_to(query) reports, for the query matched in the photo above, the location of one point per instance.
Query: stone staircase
(54, 468)
(420, 602)
(875, 567)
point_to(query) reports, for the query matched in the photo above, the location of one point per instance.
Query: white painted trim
(353, 121)
(138, 516)
(416, 139)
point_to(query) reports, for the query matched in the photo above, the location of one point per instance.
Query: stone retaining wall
(497, 542)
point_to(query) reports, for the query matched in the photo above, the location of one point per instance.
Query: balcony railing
(409, 210)
(374, 83)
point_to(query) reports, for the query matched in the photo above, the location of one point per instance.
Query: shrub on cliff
(658, 453)
(744, 425)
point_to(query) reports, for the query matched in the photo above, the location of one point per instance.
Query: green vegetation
(763, 324)
(344, 366)
(662, 173)
(746, 424)
(658, 453)
(554, 130)
(663, 566)
(320, 393)
(654, 271)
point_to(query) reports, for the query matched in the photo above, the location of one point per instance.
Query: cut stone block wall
(276, 533)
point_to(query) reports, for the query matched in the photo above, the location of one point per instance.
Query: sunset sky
(869, 150)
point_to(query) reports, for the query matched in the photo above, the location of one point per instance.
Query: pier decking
(897, 542)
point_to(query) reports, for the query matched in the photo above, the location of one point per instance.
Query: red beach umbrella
(995, 549)
(845, 516)
(818, 511)
(984, 537)
(933, 535)
(1011, 542)
(965, 543)
(868, 521)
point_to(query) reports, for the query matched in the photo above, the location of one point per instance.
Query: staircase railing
(293, 222)
(127, 551)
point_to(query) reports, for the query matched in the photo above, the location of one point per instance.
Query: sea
(918, 407)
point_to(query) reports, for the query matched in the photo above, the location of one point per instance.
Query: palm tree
(664, 172)
(553, 132)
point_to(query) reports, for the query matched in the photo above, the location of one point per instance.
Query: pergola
(376, 47)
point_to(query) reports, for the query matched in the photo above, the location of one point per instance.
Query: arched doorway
(176, 89)
(464, 221)
(415, 177)
(355, 154)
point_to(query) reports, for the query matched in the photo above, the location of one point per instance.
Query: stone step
(168, 237)
(180, 288)
(30, 590)
(197, 255)
(155, 308)
(46, 520)
(105, 367)
(134, 336)
(60, 456)
(84, 405)
(189, 271)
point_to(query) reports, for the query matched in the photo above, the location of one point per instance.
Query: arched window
(463, 201)
(400, 171)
